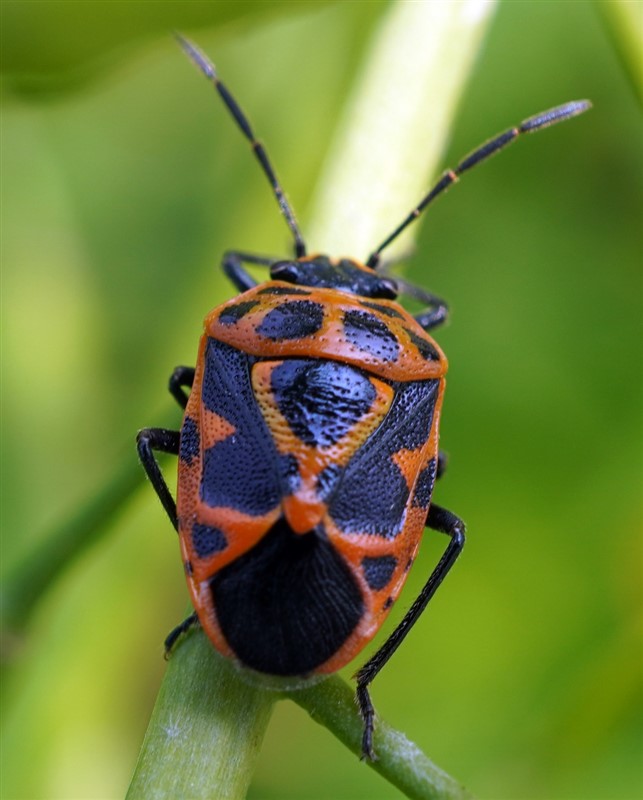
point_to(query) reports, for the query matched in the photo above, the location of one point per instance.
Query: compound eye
(284, 271)
(387, 289)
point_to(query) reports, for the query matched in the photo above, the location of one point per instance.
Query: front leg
(148, 440)
(440, 520)
(232, 265)
(180, 378)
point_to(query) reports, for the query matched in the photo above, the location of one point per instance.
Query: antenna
(208, 69)
(535, 123)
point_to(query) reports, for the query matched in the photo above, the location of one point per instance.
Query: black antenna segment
(535, 123)
(208, 69)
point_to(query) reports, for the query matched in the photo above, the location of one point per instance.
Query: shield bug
(309, 449)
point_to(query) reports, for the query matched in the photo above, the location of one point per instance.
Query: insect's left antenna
(207, 68)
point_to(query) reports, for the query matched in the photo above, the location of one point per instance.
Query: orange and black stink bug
(309, 450)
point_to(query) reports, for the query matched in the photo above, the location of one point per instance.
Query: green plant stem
(205, 732)
(395, 126)
(366, 155)
(210, 718)
(624, 23)
(402, 763)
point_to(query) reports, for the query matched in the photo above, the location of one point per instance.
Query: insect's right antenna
(207, 68)
(535, 123)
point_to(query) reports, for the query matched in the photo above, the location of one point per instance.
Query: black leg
(440, 520)
(232, 266)
(434, 315)
(443, 463)
(176, 633)
(181, 377)
(436, 311)
(148, 440)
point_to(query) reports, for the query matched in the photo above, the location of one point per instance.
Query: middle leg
(440, 520)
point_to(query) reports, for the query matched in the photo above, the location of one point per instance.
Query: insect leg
(443, 463)
(176, 633)
(181, 377)
(433, 316)
(440, 520)
(148, 440)
(436, 311)
(232, 266)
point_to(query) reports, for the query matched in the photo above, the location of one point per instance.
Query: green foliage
(121, 189)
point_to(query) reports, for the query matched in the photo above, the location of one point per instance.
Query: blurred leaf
(624, 22)
(117, 202)
(71, 42)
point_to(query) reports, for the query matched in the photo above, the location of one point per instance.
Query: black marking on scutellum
(288, 604)
(294, 320)
(321, 400)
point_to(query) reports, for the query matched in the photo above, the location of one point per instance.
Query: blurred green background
(121, 188)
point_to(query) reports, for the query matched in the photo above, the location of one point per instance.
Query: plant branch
(400, 761)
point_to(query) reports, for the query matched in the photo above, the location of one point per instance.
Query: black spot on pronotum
(208, 540)
(387, 311)
(425, 348)
(190, 441)
(292, 320)
(378, 571)
(232, 314)
(388, 603)
(370, 335)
